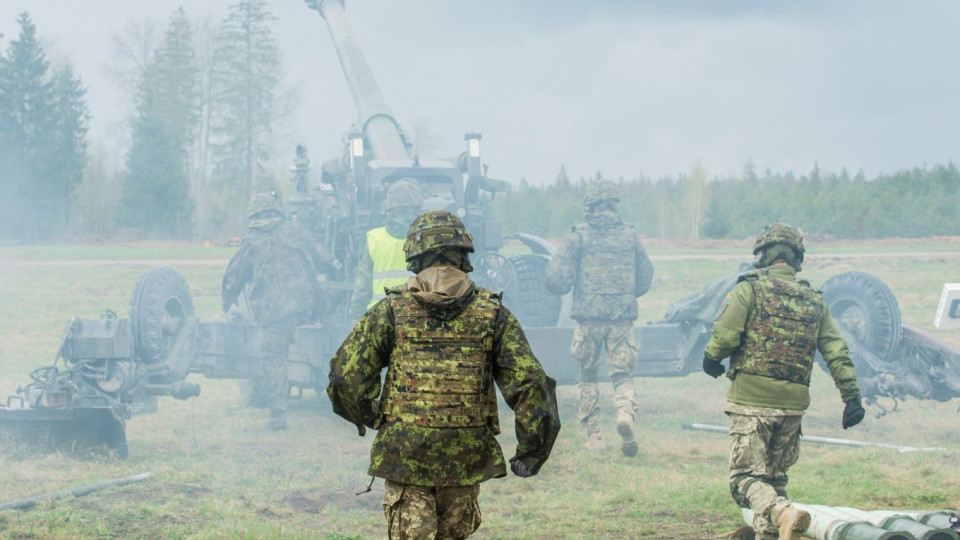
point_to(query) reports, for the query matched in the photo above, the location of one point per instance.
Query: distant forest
(918, 203)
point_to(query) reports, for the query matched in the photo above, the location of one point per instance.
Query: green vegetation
(218, 473)
(918, 203)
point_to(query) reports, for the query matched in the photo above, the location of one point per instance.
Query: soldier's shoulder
(489, 295)
(751, 275)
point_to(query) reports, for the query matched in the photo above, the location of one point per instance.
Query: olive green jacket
(427, 456)
(760, 391)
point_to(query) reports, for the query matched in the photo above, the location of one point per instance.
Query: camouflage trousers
(430, 513)
(277, 339)
(590, 340)
(762, 449)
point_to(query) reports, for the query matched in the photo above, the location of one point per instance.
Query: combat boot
(595, 443)
(278, 420)
(625, 429)
(792, 520)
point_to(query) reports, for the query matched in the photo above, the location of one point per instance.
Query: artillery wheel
(530, 300)
(161, 301)
(864, 308)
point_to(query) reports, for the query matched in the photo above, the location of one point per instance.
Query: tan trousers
(430, 513)
(762, 449)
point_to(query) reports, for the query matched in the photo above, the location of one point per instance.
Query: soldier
(604, 262)
(382, 264)
(276, 268)
(444, 341)
(771, 326)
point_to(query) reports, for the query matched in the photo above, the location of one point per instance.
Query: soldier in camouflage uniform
(276, 269)
(771, 325)
(444, 342)
(382, 261)
(604, 262)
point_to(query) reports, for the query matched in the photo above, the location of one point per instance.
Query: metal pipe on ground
(693, 426)
(24, 504)
(827, 524)
(938, 519)
(898, 522)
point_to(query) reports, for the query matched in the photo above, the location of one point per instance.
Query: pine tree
(156, 193)
(43, 127)
(246, 77)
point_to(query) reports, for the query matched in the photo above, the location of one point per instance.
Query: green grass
(218, 473)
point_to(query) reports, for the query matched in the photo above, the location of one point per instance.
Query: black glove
(520, 468)
(712, 367)
(852, 413)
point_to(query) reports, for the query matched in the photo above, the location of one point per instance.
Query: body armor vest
(440, 374)
(605, 284)
(782, 330)
(389, 262)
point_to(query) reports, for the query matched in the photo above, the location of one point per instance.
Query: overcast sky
(626, 87)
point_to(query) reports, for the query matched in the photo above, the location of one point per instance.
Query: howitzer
(377, 153)
(109, 368)
(894, 361)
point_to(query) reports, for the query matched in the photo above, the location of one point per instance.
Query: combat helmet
(779, 234)
(600, 190)
(263, 202)
(436, 230)
(403, 193)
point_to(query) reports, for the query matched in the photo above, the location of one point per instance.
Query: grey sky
(627, 87)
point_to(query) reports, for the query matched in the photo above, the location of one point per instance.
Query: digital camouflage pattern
(762, 450)
(782, 329)
(417, 512)
(598, 191)
(605, 264)
(276, 342)
(727, 336)
(277, 269)
(434, 231)
(766, 410)
(439, 374)
(426, 456)
(780, 233)
(590, 340)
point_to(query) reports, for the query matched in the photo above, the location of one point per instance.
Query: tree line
(207, 100)
(921, 202)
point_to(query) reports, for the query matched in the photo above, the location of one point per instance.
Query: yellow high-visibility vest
(389, 262)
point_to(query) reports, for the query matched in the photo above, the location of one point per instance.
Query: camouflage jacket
(277, 269)
(728, 336)
(605, 265)
(431, 456)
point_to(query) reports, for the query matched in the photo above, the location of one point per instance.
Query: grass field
(218, 473)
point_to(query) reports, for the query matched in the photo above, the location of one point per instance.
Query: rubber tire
(530, 300)
(863, 305)
(161, 294)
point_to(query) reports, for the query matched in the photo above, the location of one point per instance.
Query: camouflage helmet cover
(780, 233)
(403, 193)
(434, 231)
(600, 190)
(263, 202)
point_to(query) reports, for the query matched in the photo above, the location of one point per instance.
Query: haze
(625, 87)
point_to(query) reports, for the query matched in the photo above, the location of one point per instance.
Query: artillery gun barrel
(375, 119)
